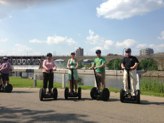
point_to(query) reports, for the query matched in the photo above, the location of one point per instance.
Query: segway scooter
(44, 95)
(126, 96)
(99, 95)
(69, 94)
(5, 88)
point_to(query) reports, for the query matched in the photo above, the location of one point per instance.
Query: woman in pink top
(48, 75)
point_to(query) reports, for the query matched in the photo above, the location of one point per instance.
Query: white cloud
(3, 40)
(8, 6)
(122, 9)
(156, 47)
(60, 40)
(57, 40)
(126, 43)
(108, 44)
(36, 41)
(93, 38)
(95, 48)
(161, 37)
(21, 49)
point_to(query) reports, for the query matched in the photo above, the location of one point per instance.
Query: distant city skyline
(35, 27)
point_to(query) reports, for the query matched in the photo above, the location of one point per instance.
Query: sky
(36, 27)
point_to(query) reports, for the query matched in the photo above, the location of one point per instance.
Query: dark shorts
(101, 77)
(5, 77)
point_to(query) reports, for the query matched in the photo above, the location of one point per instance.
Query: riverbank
(118, 73)
(147, 88)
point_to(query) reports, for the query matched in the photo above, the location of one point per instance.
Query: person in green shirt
(99, 66)
(72, 64)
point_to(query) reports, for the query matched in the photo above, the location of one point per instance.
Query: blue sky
(61, 26)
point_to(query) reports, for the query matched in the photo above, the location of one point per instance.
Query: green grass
(148, 86)
(153, 87)
(28, 83)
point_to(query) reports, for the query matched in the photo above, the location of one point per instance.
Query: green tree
(148, 64)
(114, 64)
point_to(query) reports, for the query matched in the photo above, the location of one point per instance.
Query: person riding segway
(98, 66)
(48, 77)
(129, 65)
(72, 65)
(5, 69)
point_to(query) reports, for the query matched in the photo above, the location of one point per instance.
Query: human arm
(135, 64)
(122, 66)
(44, 65)
(92, 65)
(68, 64)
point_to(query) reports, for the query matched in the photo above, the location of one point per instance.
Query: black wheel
(1, 88)
(9, 88)
(122, 94)
(105, 94)
(66, 93)
(94, 93)
(41, 94)
(55, 93)
(138, 96)
(79, 93)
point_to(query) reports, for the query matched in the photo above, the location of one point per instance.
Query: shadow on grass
(12, 115)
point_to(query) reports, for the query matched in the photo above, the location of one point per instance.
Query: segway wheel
(79, 93)
(138, 96)
(55, 93)
(1, 88)
(41, 94)
(122, 93)
(66, 93)
(105, 94)
(9, 88)
(94, 93)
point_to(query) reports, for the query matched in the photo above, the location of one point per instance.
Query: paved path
(23, 105)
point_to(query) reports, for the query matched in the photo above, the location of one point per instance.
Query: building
(146, 51)
(80, 52)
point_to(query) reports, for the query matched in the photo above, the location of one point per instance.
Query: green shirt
(98, 62)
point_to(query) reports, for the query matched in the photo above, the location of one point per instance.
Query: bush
(114, 64)
(148, 64)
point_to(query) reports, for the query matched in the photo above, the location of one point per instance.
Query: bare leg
(75, 85)
(71, 86)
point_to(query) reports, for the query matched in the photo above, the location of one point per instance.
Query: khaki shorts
(101, 77)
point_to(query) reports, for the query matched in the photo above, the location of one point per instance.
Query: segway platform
(6, 89)
(102, 95)
(99, 95)
(72, 94)
(43, 95)
(126, 97)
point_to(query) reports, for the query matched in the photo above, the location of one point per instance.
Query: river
(111, 81)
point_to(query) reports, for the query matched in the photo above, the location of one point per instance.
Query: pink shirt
(48, 64)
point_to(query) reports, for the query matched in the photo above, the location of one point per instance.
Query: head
(72, 55)
(98, 52)
(49, 56)
(128, 52)
(5, 59)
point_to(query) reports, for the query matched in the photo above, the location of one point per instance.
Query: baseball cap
(128, 50)
(98, 51)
